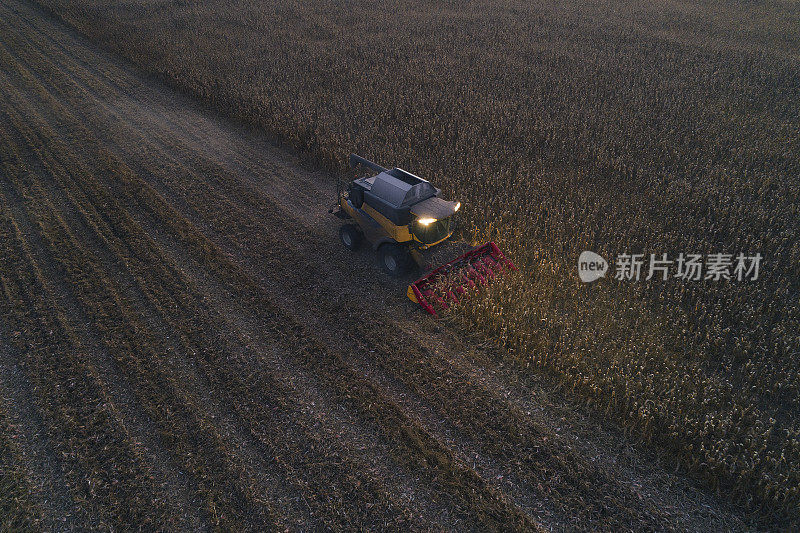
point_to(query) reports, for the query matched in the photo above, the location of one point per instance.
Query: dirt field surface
(184, 344)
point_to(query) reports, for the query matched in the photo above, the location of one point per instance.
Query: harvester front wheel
(350, 236)
(395, 259)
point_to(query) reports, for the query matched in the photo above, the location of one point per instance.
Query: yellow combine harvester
(401, 216)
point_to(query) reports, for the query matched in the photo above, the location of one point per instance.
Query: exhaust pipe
(356, 160)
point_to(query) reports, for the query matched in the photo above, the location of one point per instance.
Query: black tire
(350, 236)
(395, 259)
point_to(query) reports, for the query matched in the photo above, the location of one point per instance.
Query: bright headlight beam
(426, 221)
(457, 207)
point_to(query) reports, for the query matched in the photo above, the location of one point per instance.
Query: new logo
(591, 266)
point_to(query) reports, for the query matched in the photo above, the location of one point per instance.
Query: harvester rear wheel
(395, 259)
(350, 236)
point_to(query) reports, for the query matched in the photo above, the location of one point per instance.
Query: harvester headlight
(426, 221)
(457, 207)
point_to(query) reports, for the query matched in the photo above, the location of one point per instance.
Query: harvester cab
(402, 216)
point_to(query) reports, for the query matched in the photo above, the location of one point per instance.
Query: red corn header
(452, 281)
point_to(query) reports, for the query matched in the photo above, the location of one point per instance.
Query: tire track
(59, 511)
(118, 393)
(111, 264)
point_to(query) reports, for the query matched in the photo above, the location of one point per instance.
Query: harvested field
(185, 345)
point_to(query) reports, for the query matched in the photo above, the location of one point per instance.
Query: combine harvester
(402, 217)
